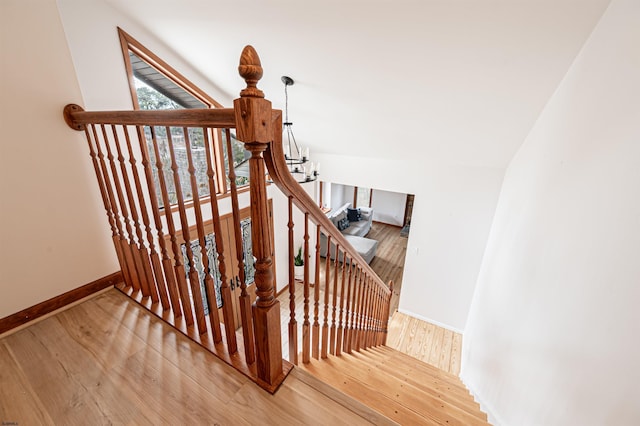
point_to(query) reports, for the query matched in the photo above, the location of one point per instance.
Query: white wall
(552, 337)
(281, 229)
(340, 195)
(91, 30)
(452, 215)
(388, 207)
(53, 236)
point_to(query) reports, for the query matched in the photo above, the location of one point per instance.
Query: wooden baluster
(363, 314)
(387, 313)
(376, 319)
(346, 332)
(127, 260)
(140, 259)
(209, 286)
(340, 317)
(253, 121)
(105, 193)
(367, 310)
(376, 315)
(293, 324)
(156, 274)
(327, 285)
(359, 303)
(245, 300)
(194, 280)
(315, 344)
(332, 339)
(372, 313)
(134, 267)
(169, 272)
(178, 267)
(378, 329)
(247, 324)
(217, 236)
(306, 331)
(354, 307)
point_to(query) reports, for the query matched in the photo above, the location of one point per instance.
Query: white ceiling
(453, 81)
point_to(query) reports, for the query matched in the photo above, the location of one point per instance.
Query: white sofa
(355, 233)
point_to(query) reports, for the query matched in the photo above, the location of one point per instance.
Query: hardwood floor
(426, 342)
(400, 387)
(107, 360)
(389, 259)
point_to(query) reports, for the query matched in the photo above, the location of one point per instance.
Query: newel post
(253, 126)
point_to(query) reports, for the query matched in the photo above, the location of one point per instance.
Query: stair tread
(442, 391)
(422, 365)
(368, 377)
(366, 395)
(410, 363)
(406, 390)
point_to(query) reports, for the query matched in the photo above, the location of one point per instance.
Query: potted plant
(298, 265)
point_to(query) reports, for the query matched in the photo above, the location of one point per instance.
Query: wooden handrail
(76, 117)
(172, 286)
(279, 173)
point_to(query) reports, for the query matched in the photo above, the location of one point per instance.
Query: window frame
(127, 44)
(355, 196)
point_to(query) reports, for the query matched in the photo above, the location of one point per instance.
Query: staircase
(398, 386)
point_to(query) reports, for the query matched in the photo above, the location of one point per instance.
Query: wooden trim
(207, 199)
(129, 43)
(355, 197)
(26, 315)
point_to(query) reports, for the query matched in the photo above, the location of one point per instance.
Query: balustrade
(160, 228)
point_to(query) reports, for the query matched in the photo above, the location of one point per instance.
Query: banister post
(253, 126)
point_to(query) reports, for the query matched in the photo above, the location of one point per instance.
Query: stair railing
(163, 242)
(353, 310)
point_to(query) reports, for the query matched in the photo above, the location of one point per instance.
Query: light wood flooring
(389, 259)
(107, 361)
(400, 387)
(426, 342)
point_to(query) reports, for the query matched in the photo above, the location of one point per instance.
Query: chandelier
(297, 157)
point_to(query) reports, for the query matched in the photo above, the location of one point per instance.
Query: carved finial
(250, 70)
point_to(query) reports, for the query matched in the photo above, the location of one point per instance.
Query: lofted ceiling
(453, 81)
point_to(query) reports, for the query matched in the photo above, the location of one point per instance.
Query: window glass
(157, 86)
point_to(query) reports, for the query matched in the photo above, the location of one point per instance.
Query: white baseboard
(429, 320)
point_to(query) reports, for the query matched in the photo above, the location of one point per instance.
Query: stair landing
(401, 388)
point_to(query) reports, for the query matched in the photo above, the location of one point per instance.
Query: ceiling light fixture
(296, 156)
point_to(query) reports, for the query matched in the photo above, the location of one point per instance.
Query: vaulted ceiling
(453, 81)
